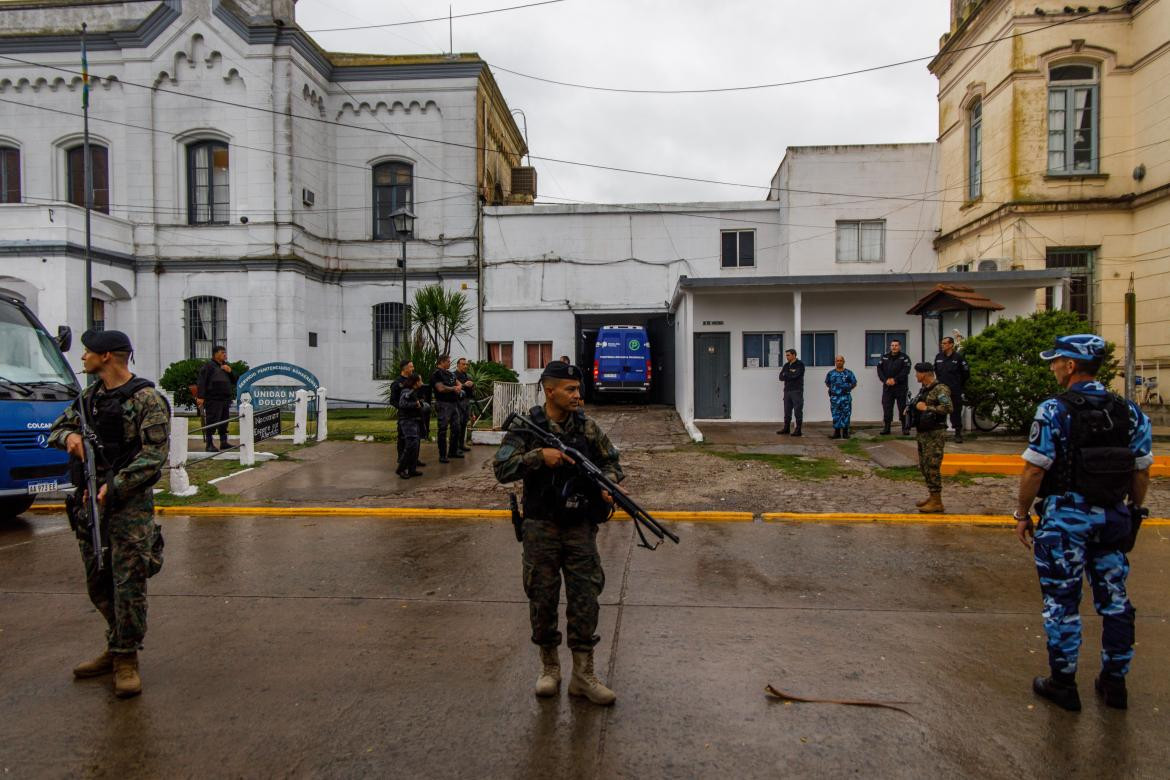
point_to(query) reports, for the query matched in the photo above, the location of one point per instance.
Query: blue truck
(621, 361)
(35, 387)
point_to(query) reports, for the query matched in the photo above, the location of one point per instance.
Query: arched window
(387, 338)
(206, 325)
(393, 189)
(9, 175)
(100, 162)
(975, 151)
(1072, 118)
(207, 183)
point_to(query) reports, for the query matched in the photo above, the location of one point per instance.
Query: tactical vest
(561, 494)
(925, 422)
(104, 412)
(1096, 461)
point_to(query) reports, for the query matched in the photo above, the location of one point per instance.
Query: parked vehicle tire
(12, 506)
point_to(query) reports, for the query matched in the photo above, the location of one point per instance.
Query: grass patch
(851, 447)
(793, 465)
(207, 493)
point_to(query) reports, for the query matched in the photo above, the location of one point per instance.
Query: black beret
(926, 368)
(102, 341)
(560, 370)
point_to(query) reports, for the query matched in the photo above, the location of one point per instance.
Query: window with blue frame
(818, 348)
(763, 350)
(877, 343)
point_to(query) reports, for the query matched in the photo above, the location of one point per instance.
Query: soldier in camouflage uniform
(560, 535)
(131, 421)
(928, 413)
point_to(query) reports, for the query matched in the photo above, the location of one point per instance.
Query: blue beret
(102, 341)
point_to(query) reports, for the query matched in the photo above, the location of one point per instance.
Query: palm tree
(439, 315)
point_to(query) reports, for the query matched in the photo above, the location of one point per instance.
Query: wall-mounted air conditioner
(308, 197)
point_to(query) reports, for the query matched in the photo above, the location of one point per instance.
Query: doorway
(712, 376)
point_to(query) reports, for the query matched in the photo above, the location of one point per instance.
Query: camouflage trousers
(841, 407)
(930, 457)
(119, 589)
(1065, 551)
(551, 551)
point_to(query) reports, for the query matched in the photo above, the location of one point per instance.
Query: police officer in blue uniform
(1087, 469)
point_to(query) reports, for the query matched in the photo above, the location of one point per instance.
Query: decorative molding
(115, 40)
(390, 108)
(189, 57)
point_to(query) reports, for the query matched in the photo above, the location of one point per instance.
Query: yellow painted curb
(928, 519)
(1013, 465)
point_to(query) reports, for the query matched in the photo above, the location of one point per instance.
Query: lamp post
(404, 226)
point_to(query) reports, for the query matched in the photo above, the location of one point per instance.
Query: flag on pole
(84, 72)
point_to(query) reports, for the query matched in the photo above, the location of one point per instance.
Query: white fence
(508, 397)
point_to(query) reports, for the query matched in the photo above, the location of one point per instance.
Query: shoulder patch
(1034, 432)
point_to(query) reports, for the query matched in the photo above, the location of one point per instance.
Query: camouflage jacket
(146, 419)
(519, 455)
(937, 398)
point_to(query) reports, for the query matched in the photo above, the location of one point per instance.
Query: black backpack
(1097, 461)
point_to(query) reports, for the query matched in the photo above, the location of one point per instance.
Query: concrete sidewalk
(358, 647)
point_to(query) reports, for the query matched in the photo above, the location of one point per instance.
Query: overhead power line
(794, 82)
(434, 19)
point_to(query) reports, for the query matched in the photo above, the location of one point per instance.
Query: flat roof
(1034, 279)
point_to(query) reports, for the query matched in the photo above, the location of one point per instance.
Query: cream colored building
(1054, 133)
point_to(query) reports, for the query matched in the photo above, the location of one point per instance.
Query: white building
(838, 254)
(243, 180)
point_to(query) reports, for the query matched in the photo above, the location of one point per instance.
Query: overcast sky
(676, 44)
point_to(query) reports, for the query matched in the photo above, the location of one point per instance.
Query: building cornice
(1072, 206)
(297, 265)
(113, 40)
(65, 248)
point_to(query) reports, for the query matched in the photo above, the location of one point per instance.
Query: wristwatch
(1020, 519)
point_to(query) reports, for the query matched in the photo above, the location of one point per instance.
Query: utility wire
(435, 19)
(809, 80)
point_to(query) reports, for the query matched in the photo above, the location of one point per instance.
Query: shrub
(1008, 378)
(183, 373)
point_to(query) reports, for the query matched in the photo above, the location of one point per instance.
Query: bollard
(322, 415)
(301, 417)
(177, 459)
(247, 432)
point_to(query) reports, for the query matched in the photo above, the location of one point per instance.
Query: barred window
(393, 189)
(388, 327)
(100, 163)
(207, 183)
(206, 325)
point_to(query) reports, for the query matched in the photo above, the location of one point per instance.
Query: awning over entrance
(950, 302)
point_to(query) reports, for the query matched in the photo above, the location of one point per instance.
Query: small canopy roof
(953, 297)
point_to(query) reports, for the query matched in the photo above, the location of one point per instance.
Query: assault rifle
(91, 443)
(587, 468)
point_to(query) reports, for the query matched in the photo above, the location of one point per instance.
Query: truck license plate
(42, 487)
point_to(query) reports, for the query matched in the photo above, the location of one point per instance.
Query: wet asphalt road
(349, 647)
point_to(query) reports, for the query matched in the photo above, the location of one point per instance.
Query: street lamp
(403, 219)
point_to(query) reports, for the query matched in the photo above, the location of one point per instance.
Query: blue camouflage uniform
(1068, 544)
(841, 384)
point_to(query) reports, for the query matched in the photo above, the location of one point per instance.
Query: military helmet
(1081, 346)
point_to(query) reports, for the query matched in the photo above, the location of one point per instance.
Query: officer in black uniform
(410, 412)
(447, 393)
(792, 375)
(463, 379)
(405, 371)
(894, 373)
(951, 369)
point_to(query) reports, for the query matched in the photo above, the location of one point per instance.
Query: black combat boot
(783, 431)
(885, 430)
(1061, 692)
(836, 433)
(1111, 688)
(845, 432)
(797, 432)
